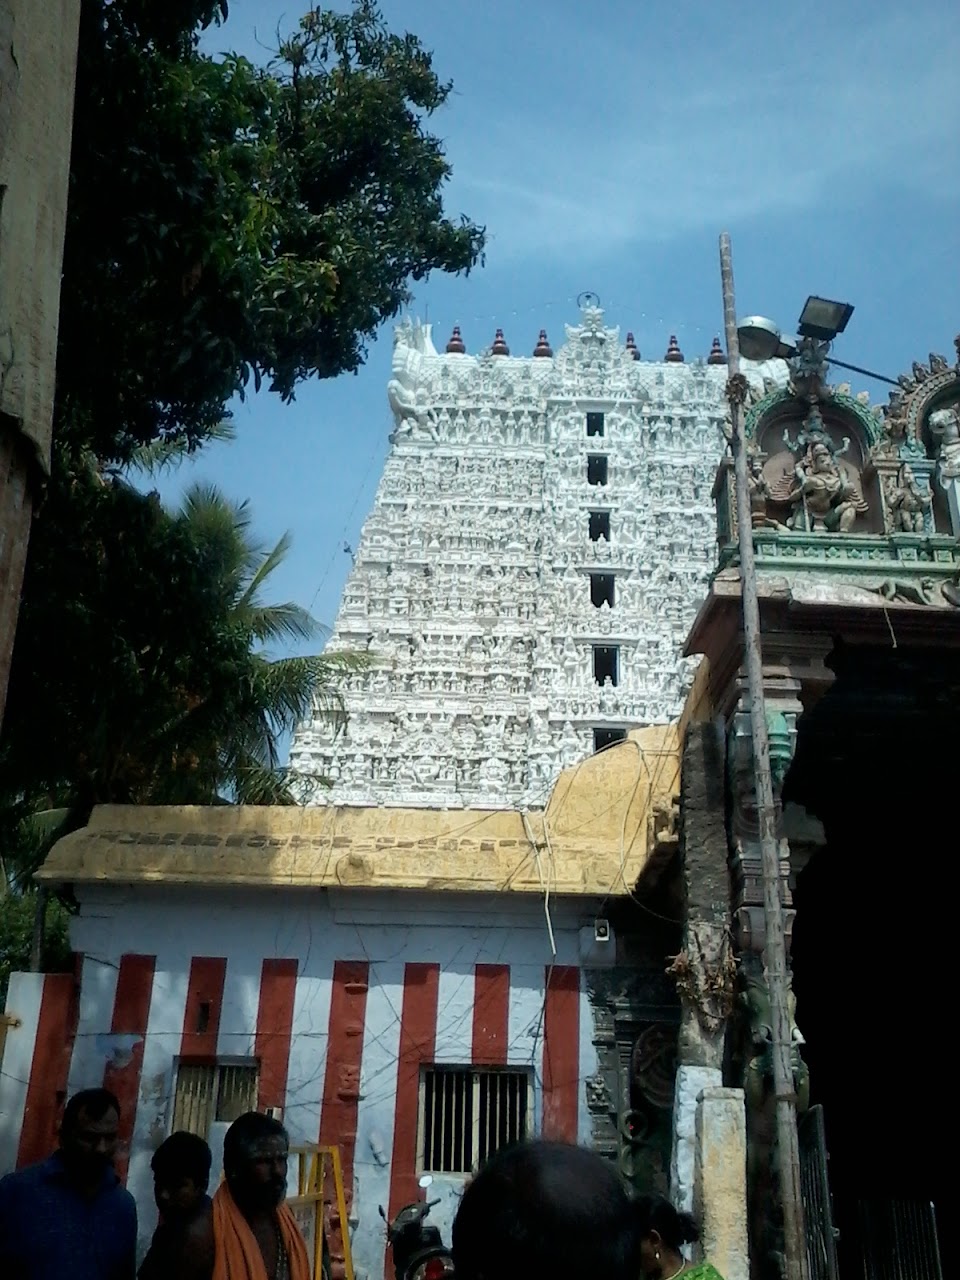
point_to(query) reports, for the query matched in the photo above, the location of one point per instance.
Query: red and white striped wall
(340, 1038)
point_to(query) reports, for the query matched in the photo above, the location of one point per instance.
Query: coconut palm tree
(152, 650)
(147, 671)
(232, 745)
(232, 739)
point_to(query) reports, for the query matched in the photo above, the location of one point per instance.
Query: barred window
(213, 1092)
(467, 1113)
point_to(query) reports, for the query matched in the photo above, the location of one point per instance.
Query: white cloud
(703, 132)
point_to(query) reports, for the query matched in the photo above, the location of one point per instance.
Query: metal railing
(899, 1240)
(819, 1233)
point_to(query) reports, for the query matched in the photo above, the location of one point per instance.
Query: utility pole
(775, 948)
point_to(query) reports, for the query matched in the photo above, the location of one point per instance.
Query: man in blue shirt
(69, 1216)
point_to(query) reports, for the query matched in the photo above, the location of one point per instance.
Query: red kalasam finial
(674, 354)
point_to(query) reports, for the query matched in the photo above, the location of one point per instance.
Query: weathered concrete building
(413, 986)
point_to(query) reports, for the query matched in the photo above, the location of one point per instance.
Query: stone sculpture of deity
(945, 429)
(824, 496)
(907, 503)
(759, 491)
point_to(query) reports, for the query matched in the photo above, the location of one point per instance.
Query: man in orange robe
(255, 1235)
(249, 1233)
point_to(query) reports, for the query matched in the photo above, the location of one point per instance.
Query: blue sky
(605, 146)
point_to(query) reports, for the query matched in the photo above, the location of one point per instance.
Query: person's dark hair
(245, 1132)
(183, 1155)
(545, 1209)
(95, 1102)
(656, 1213)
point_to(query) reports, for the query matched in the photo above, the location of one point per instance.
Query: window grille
(216, 1092)
(467, 1114)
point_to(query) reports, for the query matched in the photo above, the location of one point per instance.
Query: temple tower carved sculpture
(540, 541)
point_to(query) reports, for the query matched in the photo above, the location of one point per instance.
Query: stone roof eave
(595, 836)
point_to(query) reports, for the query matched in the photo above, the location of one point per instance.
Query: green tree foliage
(17, 922)
(177, 700)
(229, 222)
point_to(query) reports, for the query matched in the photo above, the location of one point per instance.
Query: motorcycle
(418, 1251)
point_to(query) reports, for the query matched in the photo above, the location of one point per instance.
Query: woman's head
(662, 1231)
(545, 1209)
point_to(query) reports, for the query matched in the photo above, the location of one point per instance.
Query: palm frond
(157, 456)
(287, 688)
(220, 527)
(271, 624)
(256, 784)
(209, 511)
(34, 837)
(270, 562)
(330, 669)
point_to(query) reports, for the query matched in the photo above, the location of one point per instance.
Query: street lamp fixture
(820, 321)
(823, 319)
(760, 340)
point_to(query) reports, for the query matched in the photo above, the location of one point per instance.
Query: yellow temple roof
(604, 819)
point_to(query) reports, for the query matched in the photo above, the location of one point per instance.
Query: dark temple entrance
(874, 951)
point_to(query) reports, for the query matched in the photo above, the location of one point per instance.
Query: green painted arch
(870, 424)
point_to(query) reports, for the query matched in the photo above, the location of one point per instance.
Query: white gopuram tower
(539, 545)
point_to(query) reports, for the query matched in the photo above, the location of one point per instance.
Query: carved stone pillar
(704, 970)
(783, 705)
(754, 1050)
(629, 1096)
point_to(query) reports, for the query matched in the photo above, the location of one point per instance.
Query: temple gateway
(529, 901)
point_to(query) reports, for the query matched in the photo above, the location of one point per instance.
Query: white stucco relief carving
(471, 581)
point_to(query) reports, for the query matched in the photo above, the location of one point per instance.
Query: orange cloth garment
(238, 1255)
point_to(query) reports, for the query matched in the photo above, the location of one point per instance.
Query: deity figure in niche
(907, 503)
(824, 494)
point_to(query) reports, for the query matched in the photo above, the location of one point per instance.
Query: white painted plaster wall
(319, 928)
(24, 995)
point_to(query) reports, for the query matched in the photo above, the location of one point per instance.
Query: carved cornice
(783, 403)
(927, 387)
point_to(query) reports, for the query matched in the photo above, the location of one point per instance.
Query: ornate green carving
(853, 558)
(822, 546)
(921, 392)
(781, 735)
(758, 1069)
(869, 420)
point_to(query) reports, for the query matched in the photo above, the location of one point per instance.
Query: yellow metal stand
(313, 1164)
